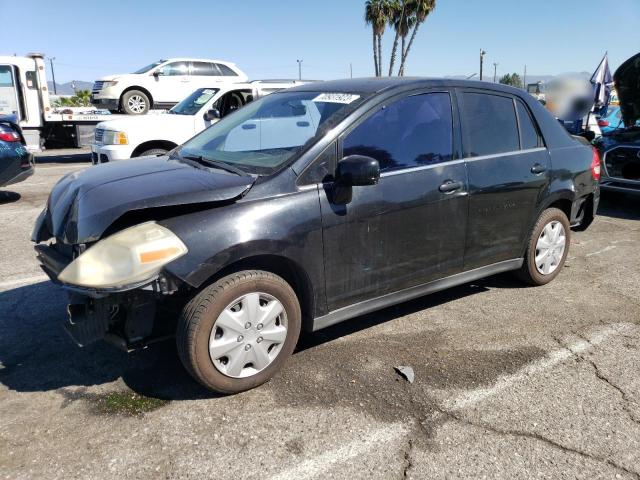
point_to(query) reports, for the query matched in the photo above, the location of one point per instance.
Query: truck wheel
(153, 152)
(238, 332)
(547, 248)
(135, 102)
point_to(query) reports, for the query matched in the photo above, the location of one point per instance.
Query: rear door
(408, 229)
(508, 168)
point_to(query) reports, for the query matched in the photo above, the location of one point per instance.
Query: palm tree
(376, 16)
(421, 10)
(396, 17)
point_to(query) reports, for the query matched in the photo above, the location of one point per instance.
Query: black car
(313, 206)
(16, 163)
(620, 150)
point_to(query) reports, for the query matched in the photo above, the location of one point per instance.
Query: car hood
(83, 205)
(627, 82)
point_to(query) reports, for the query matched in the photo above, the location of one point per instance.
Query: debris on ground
(406, 372)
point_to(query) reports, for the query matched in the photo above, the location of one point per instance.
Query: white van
(161, 84)
(155, 134)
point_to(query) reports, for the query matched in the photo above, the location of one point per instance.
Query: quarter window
(489, 124)
(410, 132)
(226, 71)
(528, 131)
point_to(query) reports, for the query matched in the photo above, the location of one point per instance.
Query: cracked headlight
(131, 256)
(111, 137)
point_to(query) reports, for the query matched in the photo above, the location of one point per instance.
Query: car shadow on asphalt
(619, 205)
(36, 354)
(8, 197)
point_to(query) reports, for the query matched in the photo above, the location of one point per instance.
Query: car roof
(189, 59)
(380, 84)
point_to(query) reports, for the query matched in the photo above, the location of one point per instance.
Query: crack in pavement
(408, 462)
(540, 438)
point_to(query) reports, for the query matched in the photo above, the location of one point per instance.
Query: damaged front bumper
(126, 316)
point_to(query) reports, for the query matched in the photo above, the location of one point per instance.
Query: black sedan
(310, 207)
(16, 163)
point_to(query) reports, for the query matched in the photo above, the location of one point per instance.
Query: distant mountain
(68, 88)
(530, 77)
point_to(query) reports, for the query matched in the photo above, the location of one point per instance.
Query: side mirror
(212, 114)
(358, 170)
(157, 73)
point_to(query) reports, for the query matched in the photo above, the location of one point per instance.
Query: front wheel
(135, 102)
(547, 248)
(238, 332)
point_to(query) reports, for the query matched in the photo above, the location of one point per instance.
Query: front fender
(287, 226)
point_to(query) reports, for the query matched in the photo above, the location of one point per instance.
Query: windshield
(149, 67)
(268, 133)
(194, 102)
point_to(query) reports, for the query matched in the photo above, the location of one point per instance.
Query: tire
(135, 102)
(153, 151)
(532, 271)
(213, 307)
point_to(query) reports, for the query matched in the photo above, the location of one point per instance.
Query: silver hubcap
(248, 335)
(550, 247)
(136, 103)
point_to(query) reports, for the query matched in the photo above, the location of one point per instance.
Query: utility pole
(299, 69)
(351, 69)
(482, 54)
(524, 78)
(495, 71)
(53, 75)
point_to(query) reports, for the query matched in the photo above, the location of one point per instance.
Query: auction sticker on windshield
(336, 98)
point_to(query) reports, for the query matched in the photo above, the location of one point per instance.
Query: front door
(508, 169)
(408, 229)
(173, 83)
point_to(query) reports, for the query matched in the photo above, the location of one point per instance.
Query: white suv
(161, 84)
(156, 134)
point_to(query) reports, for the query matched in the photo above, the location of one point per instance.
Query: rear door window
(489, 124)
(411, 132)
(205, 69)
(529, 137)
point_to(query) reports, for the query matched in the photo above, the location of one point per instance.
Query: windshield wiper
(215, 164)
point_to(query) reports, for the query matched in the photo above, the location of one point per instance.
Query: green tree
(376, 15)
(82, 98)
(420, 10)
(511, 79)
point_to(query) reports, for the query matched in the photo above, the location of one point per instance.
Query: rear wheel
(547, 248)
(238, 332)
(135, 102)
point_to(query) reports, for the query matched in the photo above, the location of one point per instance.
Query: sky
(265, 37)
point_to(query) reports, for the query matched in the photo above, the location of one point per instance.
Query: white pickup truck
(157, 133)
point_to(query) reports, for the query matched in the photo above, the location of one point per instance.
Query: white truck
(155, 134)
(161, 84)
(24, 93)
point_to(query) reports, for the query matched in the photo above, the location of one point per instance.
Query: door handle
(537, 168)
(450, 186)
(248, 126)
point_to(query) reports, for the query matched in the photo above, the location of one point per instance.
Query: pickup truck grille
(97, 86)
(99, 133)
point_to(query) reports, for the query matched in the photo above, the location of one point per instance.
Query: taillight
(603, 123)
(9, 135)
(595, 164)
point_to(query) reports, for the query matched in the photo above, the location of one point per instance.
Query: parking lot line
(313, 466)
(552, 359)
(319, 464)
(23, 281)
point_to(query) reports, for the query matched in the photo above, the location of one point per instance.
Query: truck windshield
(194, 102)
(266, 134)
(149, 67)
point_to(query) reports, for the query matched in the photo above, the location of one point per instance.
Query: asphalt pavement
(510, 381)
